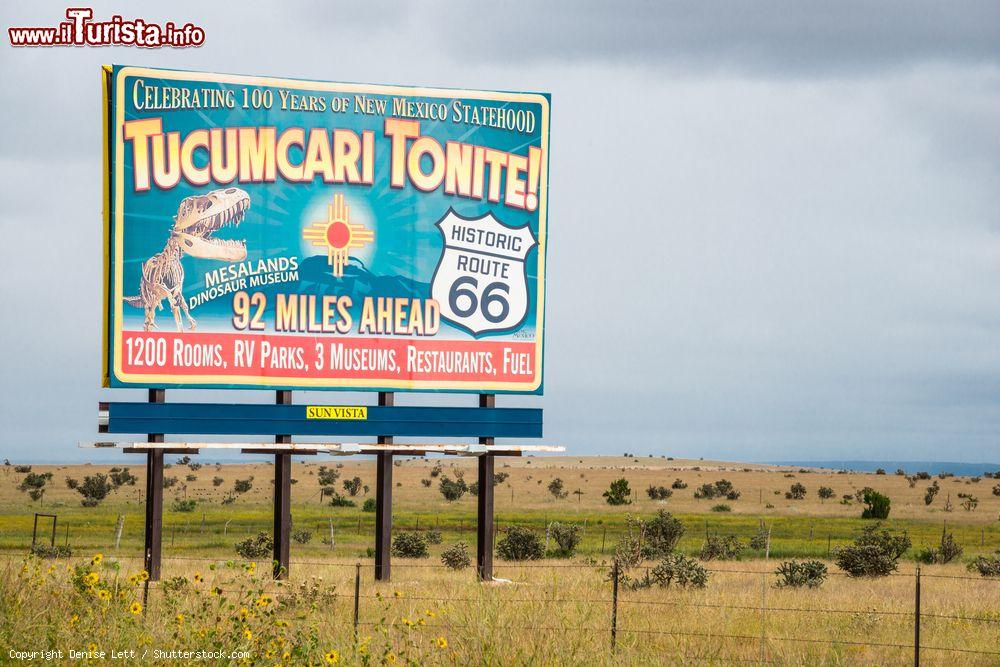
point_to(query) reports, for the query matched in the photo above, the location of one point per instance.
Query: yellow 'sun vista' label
(358, 412)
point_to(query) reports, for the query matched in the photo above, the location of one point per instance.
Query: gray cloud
(774, 232)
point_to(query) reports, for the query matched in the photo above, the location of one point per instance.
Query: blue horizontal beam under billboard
(319, 420)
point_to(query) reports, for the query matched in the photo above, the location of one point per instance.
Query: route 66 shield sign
(480, 281)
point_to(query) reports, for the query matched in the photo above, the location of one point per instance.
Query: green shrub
(721, 548)
(567, 537)
(302, 536)
(352, 486)
(94, 489)
(217, 481)
(797, 491)
(660, 534)
(874, 553)
(658, 492)
(340, 501)
(452, 490)
(434, 536)
(243, 485)
(520, 543)
(456, 556)
(723, 488)
(722, 508)
(56, 551)
(825, 492)
(679, 484)
(987, 566)
(556, 489)
(618, 493)
(876, 505)
(410, 545)
(184, 505)
(122, 477)
(253, 548)
(795, 574)
(369, 505)
(676, 568)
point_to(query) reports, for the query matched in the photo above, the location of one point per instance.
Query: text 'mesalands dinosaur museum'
(279, 233)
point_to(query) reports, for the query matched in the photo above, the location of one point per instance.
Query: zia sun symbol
(338, 234)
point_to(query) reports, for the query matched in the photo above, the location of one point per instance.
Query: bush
(72, 483)
(825, 492)
(874, 553)
(122, 477)
(217, 481)
(679, 484)
(302, 536)
(658, 492)
(452, 490)
(410, 545)
(169, 482)
(721, 548)
(618, 493)
(243, 485)
(877, 505)
(556, 489)
(723, 488)
(184, 505)
(931, 492)
(253, 548)
(352, 486)
(987, 566)
(721, 508)
(519, 543)
(94, 489)
(56, 551)
(369, 505)
(996, 490)
(796, 492)
(340, 501)
(456, 556)
(327, 476)
(426, 482)
(567, 537)
(661, 534)
(434, 536)
(793, 574)
(679, 569)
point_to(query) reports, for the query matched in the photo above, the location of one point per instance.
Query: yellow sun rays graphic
(338, 234)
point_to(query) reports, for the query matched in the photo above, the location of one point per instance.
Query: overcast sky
(774, 227)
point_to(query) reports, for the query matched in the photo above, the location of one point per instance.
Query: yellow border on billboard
(318, 383)
(107, 72)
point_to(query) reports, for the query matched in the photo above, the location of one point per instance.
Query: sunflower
(104, 594)
(135, 608)
(442, 642)
(331, 657)
(247, 634)
(96, 560)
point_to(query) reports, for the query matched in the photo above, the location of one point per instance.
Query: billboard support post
(154, 496)
(282, 497)
(484, 504)
(383, 500)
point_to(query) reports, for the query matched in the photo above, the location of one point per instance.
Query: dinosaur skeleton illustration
(197, 218)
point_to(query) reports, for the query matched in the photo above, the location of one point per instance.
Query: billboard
(279, 233)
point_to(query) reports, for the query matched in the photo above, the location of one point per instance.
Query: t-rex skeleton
(197, 218)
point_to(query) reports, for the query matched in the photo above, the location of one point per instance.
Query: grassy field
(553, 611)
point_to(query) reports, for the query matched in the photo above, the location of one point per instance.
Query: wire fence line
(616, 606)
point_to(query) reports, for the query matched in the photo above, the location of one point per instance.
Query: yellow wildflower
(397, 594)
(136, 608)
(263, 601)
(198, 578)
(244, 612)
(180, 619)
(247, 634)
(421, 621)
(91, 579)
(332, 657)
(92, 647)
(96, 560)
(74, 619)
(144, 576)
(389, 658)
(442, 642)
(104, 594)
(407, 622)
(430, 614)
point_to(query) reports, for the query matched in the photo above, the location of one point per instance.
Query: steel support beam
(154, 498)
(383, 501)
(282, 498)
(484, 504)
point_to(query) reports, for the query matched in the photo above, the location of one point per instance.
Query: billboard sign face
(278, 233)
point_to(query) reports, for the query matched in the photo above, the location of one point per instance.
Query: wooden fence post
(154, 497)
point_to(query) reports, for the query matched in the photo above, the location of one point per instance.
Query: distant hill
(933, 467)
